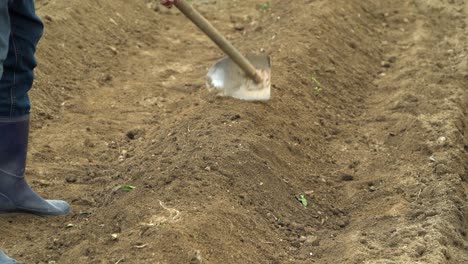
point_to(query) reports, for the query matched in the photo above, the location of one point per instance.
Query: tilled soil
(367, 122)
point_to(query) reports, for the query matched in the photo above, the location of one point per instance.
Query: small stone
(114, 50)
(107, 78)
(385, 64)
(442, 141)
(353, 45)
(297, 226)
(134, 134)
(42, 183)
(341, 223)
(347, 177)
(197, 258)
(48, 18)
(71, 178)
(312, 240)
(420, 249)
(431, 213)
(85, 201)
(285, 222)
(239, 27)
(194, 260)
(235, 117)
(88, 143)
(296, 244)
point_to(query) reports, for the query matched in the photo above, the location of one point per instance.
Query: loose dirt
(367, 122)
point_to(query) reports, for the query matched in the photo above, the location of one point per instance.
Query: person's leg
(18, 67)
(4, 33)
(4, 37)
(15, 194)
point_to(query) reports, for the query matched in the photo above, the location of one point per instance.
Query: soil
(367, 122)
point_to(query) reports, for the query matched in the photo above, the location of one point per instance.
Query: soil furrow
(408, 201)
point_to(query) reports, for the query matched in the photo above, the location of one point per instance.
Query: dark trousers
(20, 32)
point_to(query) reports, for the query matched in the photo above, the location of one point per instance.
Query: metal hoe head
(228, 79)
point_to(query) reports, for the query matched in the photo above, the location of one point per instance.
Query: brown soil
(368, 121)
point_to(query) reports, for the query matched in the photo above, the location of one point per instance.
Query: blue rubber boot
(15, 194)
(4, 259)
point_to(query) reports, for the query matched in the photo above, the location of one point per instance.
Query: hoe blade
(228, 79)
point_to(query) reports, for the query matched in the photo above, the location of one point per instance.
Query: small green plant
(127, 188)
(301, 198)
(265, 6)
(318, 86)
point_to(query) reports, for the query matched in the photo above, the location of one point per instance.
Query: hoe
(246, 78)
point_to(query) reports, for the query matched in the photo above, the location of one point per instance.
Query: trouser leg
(24, 32)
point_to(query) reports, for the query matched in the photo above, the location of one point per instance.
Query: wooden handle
(217, 38)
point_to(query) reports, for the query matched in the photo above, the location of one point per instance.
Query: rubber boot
(15, 194)
(4, 259)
